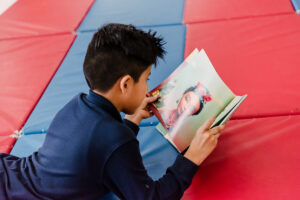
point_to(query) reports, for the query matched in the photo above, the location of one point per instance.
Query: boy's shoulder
(113, 131)
(103, 124)
(83, 116)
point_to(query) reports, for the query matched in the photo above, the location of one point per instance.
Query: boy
(89, 150)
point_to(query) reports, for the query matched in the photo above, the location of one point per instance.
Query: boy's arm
(135, 128)
(126, 176)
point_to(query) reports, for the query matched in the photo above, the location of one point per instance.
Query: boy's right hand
(204, 142)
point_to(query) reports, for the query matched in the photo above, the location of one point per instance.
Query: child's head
(121, 55)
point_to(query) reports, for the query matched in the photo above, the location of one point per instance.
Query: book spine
(153, 108)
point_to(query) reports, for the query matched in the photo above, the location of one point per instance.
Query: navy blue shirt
(90, 151)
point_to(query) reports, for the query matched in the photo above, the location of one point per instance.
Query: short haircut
(117, 50)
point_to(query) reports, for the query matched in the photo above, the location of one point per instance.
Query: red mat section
(258, 57)
(208, 10)
(255, 159)
(27, 66)
(36, 17)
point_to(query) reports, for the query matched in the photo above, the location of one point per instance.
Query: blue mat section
(158, 154)
(67, 82)
(27, 144)
(136, 12)
(296, 4)
(69, 79)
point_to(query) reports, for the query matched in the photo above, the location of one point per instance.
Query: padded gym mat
(212, 10)
(27, 66)
(255, 159)
(35, 17)
(136, 12)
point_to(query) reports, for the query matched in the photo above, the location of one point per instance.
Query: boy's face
(139, 91)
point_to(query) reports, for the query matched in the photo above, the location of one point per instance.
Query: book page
(229, 110)
(5, 5)
(226, 110)
(190, 97)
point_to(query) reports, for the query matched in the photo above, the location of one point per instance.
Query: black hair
(192, 89)
(117, 50)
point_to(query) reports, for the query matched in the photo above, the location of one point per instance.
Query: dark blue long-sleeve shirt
(89, 151)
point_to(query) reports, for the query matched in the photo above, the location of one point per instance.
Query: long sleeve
(126, 176)
(135, 128)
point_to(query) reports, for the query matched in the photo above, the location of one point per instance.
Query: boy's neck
(112, 97)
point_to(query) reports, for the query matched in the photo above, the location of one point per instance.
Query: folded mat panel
(26, 65)
(35, 17)
(258, 57)
(136, 12)
(255, 159)
(212, 10)
(69, 79)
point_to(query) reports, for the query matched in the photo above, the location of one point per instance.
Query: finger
(207, 124)
(215, 138)
(144, 102)
(151, 99)
(145, 114)
(150, 112)
(221, 128)
(214, 131)
(217, 129)
(149, 106)
(217, 135)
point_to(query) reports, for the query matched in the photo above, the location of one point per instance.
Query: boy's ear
(124, 83)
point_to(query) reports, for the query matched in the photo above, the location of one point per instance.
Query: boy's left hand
(142, 112)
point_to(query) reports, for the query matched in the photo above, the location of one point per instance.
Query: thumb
(148, 100)
(207, 124)
(151, 99)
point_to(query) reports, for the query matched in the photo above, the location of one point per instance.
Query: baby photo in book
(193, 93)
(191, 102)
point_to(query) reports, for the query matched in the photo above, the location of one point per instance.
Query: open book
(193, 93)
